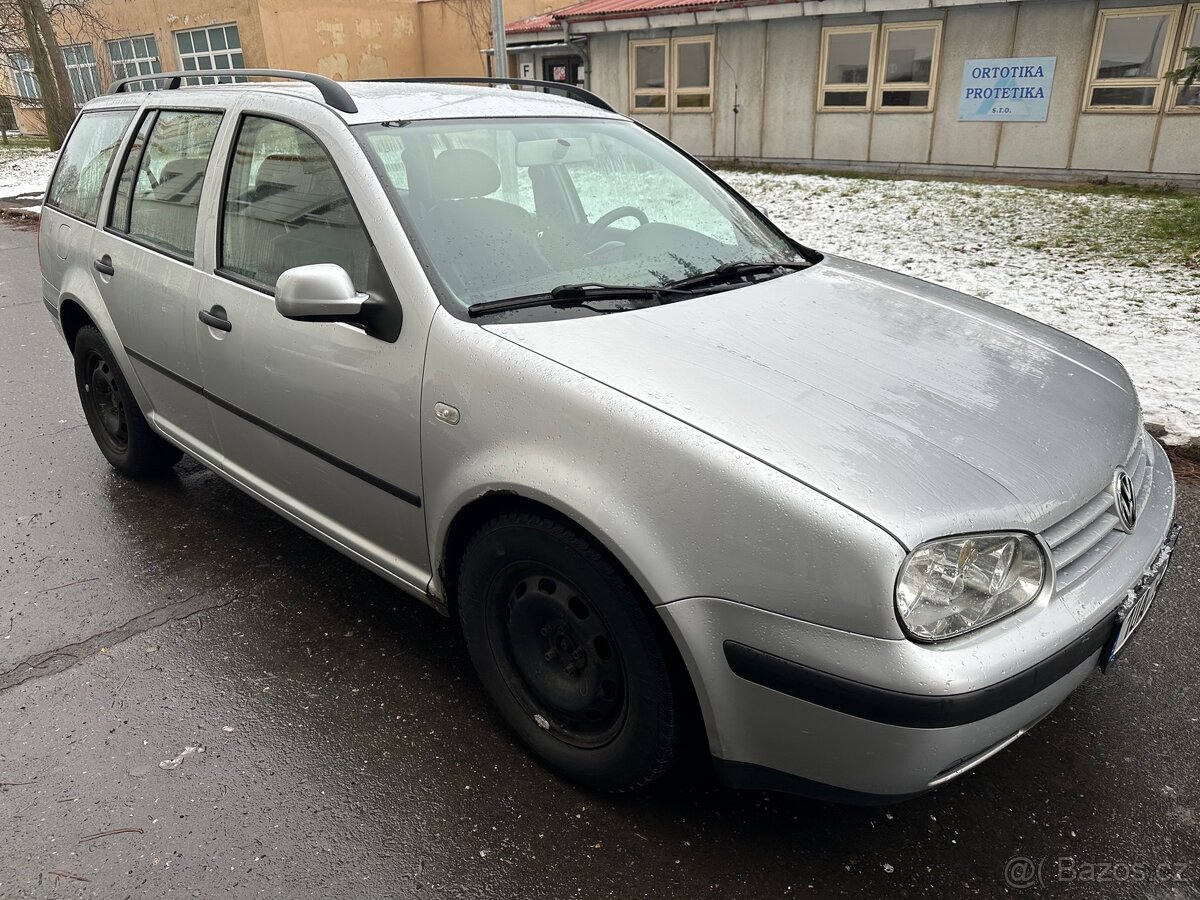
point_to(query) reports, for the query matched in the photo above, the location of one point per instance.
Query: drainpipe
(581, 47)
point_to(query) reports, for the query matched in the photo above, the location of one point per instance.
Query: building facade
(342, 39)
(1030, 88)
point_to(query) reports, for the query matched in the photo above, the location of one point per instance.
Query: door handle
(104, 265)
(216, 318)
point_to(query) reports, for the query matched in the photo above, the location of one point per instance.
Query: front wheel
(567, 649)
(116, 421)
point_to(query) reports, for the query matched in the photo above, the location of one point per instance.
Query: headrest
(280, 169)
(458, 174)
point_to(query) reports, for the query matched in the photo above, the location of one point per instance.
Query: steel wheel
(557, 654)
(103, 394)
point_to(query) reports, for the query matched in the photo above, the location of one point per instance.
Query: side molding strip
(370, 479)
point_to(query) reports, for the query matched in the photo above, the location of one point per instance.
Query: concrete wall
(772, 57)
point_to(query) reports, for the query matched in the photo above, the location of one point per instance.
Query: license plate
(1133, 609)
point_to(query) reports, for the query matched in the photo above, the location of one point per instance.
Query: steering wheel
(595, 234)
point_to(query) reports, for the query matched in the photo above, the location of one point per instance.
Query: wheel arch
(472, 515)
(73, 317)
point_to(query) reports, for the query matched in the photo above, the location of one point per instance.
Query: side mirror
(318, 293)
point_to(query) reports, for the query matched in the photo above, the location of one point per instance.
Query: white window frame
(84, 75)
(1191, 23)
(930, 86)
(673, 74)
(841, 87)
(131, 64)
(671, 90)
(1156, 82)
(664, 91)
(212, 74)
(24, 79)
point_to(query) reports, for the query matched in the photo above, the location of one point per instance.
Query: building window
(1130, 57)
(889, 68)
(81, 69)
(691, 86)
(210, 49)
(672, 74)
(25, 82)
(1189, 98)
(909, 66)
(847, 61)
(648, 78)
(135, 56)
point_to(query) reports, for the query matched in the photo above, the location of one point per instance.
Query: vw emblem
(1124, 501)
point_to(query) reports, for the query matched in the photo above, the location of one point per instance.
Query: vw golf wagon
(538, 367)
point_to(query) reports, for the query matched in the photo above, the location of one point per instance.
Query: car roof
(388, 101)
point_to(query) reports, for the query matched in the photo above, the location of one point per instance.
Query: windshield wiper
(732, 271)
(575, 295)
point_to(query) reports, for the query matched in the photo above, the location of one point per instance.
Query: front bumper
(798, 707)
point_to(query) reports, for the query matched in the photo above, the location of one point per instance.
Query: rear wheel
(116, 421)
(566, 648)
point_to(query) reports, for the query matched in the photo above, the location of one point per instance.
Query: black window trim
(108, 171)
(154, 111)
(219, 262)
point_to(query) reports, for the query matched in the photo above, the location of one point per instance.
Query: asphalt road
(349, 752)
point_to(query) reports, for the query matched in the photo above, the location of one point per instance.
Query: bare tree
(477, 14)
(32, 27)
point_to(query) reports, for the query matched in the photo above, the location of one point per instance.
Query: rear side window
(85, 161)
(158, 191)
(286, 206)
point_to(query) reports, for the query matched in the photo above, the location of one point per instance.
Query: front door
(320, 418)
(563, 69)
(143, 266)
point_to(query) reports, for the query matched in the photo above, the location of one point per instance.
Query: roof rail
(568, 90)
(333, 93)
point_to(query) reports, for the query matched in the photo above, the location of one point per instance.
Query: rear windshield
(79, 179)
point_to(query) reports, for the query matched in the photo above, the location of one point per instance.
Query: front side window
(82, 170)
(161, 180)
(1188, 98)
(848, 58)
(24, 80)
(503, 209)
(210, 50)
(285, 206)
(135, 56)
(81, 69)
(1130, 57)
(909, 66)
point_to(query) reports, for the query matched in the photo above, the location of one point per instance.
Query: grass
(21, 145)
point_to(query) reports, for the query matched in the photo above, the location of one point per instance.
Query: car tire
(116, 421)
(566, 647)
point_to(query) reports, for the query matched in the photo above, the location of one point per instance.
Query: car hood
(929, 412)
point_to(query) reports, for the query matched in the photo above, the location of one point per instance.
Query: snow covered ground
(24, 175)
(998, 242)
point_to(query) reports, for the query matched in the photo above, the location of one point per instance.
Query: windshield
(512, 207)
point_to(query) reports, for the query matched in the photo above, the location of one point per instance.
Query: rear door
(144, 265)
(322, 418)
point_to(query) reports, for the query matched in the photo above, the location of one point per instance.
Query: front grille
(1082, 540)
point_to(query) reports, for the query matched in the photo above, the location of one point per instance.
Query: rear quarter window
(86, 158)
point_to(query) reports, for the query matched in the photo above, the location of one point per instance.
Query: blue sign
(1006, 90)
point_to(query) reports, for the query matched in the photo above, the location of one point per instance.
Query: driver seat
(481, 240)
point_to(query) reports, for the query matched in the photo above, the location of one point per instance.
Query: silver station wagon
(533, 364)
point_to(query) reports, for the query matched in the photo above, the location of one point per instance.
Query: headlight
(952, 586)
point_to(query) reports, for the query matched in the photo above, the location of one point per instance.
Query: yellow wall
(343, 39)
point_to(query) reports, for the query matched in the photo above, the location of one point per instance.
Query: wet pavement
(342, 748)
